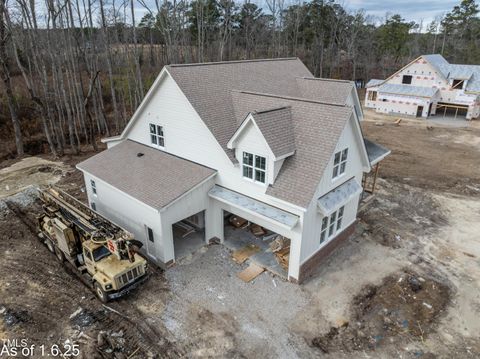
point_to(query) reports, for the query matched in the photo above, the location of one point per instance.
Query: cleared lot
(406, 285)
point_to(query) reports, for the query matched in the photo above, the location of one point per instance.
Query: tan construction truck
(103, 254)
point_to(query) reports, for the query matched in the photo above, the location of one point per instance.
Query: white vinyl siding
(156, 135)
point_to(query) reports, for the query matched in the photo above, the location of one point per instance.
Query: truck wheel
(101, 293)
(59, 254)
(50, 245)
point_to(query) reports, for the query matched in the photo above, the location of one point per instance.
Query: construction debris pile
(280, 246)
(404, 305)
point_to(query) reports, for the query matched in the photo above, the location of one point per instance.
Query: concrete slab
(237, 238)
(187, 245)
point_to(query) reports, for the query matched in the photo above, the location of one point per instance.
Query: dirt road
(404, 286)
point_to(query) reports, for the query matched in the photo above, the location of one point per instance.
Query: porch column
(294, 259)
(214, 222)
(167, 252)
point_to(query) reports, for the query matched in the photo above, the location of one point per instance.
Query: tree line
(75, 70)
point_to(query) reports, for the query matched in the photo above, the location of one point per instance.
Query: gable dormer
(262, 142)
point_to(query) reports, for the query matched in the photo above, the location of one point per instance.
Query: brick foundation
(309, 266)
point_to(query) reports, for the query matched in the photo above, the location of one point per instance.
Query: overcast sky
(415, 10)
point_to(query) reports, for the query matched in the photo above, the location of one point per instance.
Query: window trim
(328, 225)
(253, 167)
(155, 134)
(342, 162)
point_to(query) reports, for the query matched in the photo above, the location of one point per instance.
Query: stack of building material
(280, 246)
(257, 230)
(237, 221)
(283, 257)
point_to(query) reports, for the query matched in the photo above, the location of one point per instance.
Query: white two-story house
(428, 86)
(260, 139)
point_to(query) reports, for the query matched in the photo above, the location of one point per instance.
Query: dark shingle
(317, 128)
(208, 86)
(154, 177)
(276, 126)
(325, 90)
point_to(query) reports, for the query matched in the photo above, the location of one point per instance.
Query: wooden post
(375, 177)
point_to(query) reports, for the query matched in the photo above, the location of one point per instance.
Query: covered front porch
(249, 228)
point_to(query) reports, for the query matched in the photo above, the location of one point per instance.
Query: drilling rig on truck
(103, 254)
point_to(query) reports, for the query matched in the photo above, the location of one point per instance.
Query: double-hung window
(331, 225)
(156, 135)
(254, 167)
(93, 185)
(340, 163)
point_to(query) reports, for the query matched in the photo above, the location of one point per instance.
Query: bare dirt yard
(405, 285)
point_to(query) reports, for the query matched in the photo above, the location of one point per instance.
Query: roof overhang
(376, 152)
(140, 108)
(250, 119)
(111, 139)
(128, 168)
(339, 196)
(272, 214)
(232, 141)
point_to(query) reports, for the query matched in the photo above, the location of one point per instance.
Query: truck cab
(111, 276)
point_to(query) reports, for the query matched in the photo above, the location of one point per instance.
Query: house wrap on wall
(262, 139)
(428, 86)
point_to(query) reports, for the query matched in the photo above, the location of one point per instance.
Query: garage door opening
(189, 235)
(449, 111)
(249, 241)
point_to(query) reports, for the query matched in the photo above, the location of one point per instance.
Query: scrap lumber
(242, 254)
(281, 248)
(237, 221)
(283, 257)
(257, 230)
(278, 243)
(251, 272)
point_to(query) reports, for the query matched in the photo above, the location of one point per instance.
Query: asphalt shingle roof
(325, 90)
(316, 127)
(155, 178)
(276, 127)
(208, 86)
